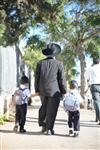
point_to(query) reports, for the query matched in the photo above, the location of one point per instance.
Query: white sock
(70, 128)
(76, 131)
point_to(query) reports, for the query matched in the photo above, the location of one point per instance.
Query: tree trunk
(82, 77)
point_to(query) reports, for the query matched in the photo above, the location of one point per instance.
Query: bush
(3, 119)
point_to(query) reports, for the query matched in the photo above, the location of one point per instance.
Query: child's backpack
(19, 97)
(71, 102)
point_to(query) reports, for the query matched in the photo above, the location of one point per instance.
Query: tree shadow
(87, 124)
(34, 107)
(32, 133)
(26, 133)
(61, 135)
(44, 134)
(65, 122)
(58, 121)
(32, 121)
(6, 131)
(32, 118)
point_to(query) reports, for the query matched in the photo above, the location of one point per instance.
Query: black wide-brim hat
(52, 49)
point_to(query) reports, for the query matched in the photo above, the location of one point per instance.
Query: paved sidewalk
(89, 138)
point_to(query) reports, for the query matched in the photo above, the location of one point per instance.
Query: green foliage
(18, 15)
(94, 20)
(14, 19)
(68, 58)
(32, 56)
(75, 27)
(3, 118)
(2, 30)
(35, 42)
(33, 53)
(74, 24)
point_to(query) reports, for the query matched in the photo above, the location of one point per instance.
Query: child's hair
(73, 84)
(24, 80)
(96, 60)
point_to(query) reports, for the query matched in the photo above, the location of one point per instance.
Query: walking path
(89, 138)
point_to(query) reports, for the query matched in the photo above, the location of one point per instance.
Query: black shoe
(70, 132)
(22, 131)
(96, 120)
(99, 123)
(50, 132)
(43, 129)
(76, 134)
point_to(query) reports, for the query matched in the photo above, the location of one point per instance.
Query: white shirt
(93, 74)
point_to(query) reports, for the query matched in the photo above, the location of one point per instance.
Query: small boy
(74, 114)
(21, 97)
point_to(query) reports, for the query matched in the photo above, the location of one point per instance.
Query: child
(73, 111)
(21, 96)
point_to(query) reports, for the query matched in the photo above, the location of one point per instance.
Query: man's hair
(24, 80)
(73, 84)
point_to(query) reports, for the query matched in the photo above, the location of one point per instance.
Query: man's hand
(35, 94)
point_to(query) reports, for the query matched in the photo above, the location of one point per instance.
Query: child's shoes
(76, 134)
(71, 133)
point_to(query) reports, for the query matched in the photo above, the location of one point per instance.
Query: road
(89, 138)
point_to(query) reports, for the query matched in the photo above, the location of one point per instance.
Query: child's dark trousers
(20, 117)
(74, 120)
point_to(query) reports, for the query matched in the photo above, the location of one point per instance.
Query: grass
(3, 119)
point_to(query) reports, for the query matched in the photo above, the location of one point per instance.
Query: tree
(67, 23)
(18, 15)
(75, 30)
(2, 30)
(32, 53)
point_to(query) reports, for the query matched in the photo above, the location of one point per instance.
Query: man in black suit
(50, 84)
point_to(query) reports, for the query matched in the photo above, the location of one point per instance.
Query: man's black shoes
(22, 130)
(50, 132)
(47, 132)
(43, 129)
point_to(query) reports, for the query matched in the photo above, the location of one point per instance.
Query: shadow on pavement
(62, 120)
(31, 121)
(26, 133)
(7, 131)
(62, 135)
(40, 133)
(58, 121)
(85, 124)
(31, 133)
(34, 107)
(65, 122)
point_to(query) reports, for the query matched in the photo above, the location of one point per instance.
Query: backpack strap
(22, 91)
